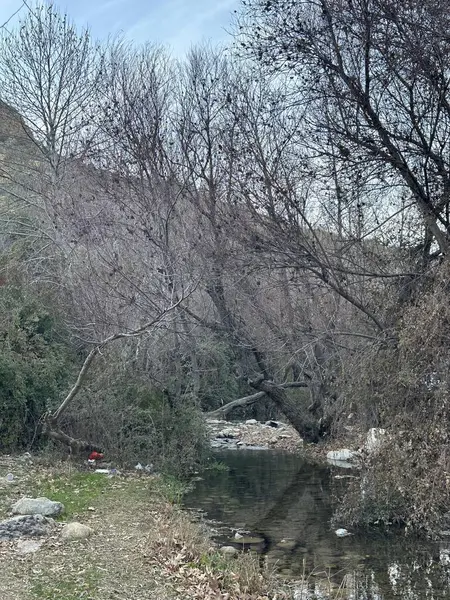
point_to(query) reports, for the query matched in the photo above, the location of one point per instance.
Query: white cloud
(181, 24)
(178, 23)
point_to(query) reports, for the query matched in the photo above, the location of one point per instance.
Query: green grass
(171, 489)
(76, 491)
(69, 587)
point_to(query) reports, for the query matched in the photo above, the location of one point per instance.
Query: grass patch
(77, 491)
(171, 489)
(68, 587)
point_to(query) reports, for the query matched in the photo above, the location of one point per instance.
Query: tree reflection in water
(288, 502)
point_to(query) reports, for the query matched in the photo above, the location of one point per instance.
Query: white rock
(227, 433)
(238, 536)
(251, 422)
(76, 531)
(29, 546)
(37, 506)
(342, 532)
(344, 455)
(228, 550)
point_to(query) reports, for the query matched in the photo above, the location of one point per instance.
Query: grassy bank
(144, 546)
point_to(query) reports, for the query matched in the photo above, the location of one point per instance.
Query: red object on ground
(95, 456)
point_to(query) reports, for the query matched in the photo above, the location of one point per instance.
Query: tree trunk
(309, 431)
(245, 401)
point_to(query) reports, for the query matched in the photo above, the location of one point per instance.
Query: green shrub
(34, 370)
(135, 422)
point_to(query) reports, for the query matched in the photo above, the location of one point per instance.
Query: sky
(176, 23)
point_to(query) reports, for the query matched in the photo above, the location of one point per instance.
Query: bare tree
(48, 72)
(388, 94)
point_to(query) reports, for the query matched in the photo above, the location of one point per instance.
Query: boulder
(227, 433)
(37, 506)
(29, 546)
(251, 422)
(25, 526)
(76, 531)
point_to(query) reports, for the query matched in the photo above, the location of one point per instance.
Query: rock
(76, 531)
(226, 433)
(251, 422)
(344, 455)
(284, 436)
(29, 546)
(228, 550)
(248, 540)
(25, 526)
(271, 424)
(37, 506)
(287, 544)
(374, 440)
(342, 532)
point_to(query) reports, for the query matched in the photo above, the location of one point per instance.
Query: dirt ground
(143, 547)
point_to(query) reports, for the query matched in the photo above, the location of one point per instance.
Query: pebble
(342, 532)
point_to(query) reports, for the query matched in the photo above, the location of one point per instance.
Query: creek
(285, 503)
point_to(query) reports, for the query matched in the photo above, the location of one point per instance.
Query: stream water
(286, 505)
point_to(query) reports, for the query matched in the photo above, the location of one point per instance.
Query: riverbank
(253, 434)
(142, 545)
(277, 435)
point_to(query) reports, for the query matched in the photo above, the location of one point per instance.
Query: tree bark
(309, 431)
(245, 401)
(249, 400)
(52, 420)
(75, 446)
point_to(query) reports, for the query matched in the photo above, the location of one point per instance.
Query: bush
(137, 422)
(34, 370)
(403, 384)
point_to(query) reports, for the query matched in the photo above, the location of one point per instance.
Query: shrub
(403, 384)
(34, 369)
(136, 422)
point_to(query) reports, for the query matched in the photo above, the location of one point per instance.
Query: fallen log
(249, 400)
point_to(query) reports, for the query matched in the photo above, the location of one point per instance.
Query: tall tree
(382, 67)
(49, 71)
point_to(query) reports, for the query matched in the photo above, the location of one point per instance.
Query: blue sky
(176, 23)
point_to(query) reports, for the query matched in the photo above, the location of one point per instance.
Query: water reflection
(287, 502)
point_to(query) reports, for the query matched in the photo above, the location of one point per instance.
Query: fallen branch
(249, 400)
(51, 420)
(76, 446)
